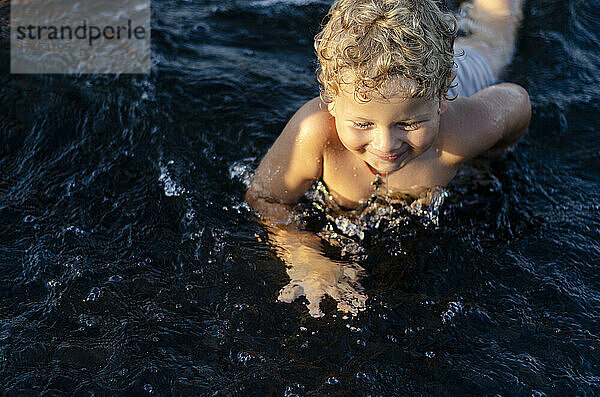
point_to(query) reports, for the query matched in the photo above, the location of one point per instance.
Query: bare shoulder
(312, 121)
(295, 159)
(494, 118)
(306, 135)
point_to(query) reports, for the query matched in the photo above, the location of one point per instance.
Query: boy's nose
(384, 141)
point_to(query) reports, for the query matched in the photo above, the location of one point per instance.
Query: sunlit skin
(387, 133)
(419, 142)
(397, 136)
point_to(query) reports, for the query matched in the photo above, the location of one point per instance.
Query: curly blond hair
(368, 43)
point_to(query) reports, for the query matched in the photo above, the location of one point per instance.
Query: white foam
(169, 185)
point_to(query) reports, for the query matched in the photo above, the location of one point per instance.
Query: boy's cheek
(423, 140)
(351, 139)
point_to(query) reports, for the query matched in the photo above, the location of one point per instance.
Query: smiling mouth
(390, 157)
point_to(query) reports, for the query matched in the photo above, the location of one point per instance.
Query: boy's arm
(292, 164)
(288, 169)
(492, 119)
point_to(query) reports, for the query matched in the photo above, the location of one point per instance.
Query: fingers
(290, 293)
(353, 271)
(314, 306)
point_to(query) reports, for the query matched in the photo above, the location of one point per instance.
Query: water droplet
(190, 214)
(289, 393)
(148, 388)
(430, 354)
(453, 309)
(53, 283)
(115, 279)
(244, 357)
(170, 187)
(332, 381)
(93, 295)
(291, 390)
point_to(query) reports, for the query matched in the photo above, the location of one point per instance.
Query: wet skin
(397, 137)
(417, 145)
(407, 138)
(387, 133)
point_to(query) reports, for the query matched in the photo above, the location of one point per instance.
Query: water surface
(129, 264)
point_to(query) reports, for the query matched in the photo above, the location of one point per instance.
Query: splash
(313, 273)
(347, 230)
(170, 187)
(242, 171)
(381, 213)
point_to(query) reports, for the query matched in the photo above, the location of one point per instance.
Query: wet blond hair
(368, 43)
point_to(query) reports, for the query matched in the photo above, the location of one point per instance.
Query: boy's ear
(443, 102)
(443, 106)
(331, 108)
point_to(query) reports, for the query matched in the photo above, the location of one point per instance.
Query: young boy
(385, 70)
(387, 119)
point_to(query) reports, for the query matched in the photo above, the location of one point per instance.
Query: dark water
(128, 264)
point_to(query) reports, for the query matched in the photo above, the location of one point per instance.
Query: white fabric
(473, 73)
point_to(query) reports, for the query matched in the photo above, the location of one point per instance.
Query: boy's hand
(313, 275)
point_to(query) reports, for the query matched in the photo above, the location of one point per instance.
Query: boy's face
(387, 133)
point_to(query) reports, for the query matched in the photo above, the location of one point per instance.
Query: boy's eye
(361, 125)
(410, 126)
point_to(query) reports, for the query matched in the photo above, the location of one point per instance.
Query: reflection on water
(313, 275)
